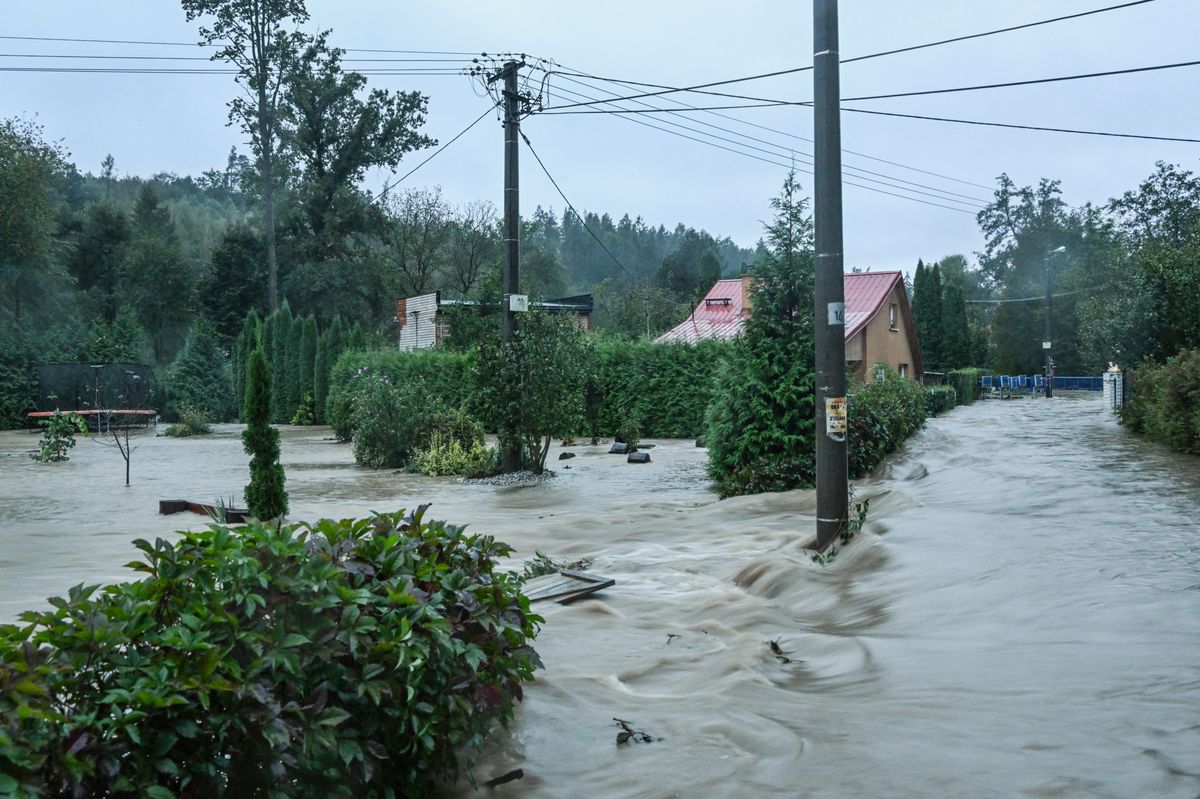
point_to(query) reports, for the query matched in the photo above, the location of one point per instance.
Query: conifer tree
(292, 369)
(247, 341)
(265, 494)
(956, 330)
(282, 328)
(198, 377)
(761, 424)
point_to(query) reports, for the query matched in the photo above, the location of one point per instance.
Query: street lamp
(1046, 345)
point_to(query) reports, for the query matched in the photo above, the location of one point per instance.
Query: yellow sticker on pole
(835, 418)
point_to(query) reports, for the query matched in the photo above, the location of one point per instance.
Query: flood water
(1021, 618)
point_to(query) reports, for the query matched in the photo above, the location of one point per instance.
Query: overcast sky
(176, 123)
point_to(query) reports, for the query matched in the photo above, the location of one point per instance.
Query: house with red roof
(879, 322)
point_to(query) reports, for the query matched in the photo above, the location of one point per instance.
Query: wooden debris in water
(565, 586)
(515, 774)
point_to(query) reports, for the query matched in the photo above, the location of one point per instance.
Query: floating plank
(565, 586)
(232, 515)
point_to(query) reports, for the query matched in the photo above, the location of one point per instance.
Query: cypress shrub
(292, 368)
(247, 341)
(307, 363)
(281, 322)
(265, 495)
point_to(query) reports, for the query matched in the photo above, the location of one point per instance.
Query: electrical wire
(388, 187)
(794, 70)
(790, 135)
(578, 216)
(203, 44)
(1010, 84)
(788, 165)
(1023, 127)
(788, 151)
(1040, 297)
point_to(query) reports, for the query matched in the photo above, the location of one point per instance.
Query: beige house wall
(881, 342)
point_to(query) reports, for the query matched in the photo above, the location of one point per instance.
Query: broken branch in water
(515, 774)
(779, 654)
(628, 733)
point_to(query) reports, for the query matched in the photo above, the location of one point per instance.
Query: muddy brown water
(1022, 617)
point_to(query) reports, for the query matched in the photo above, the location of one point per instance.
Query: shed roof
(725, 308)
(719, 315)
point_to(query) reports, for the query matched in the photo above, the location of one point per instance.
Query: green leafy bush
(353, 658)
(629, 432)
(881, 417)
(448, 456)
(441, 374)
(306, 411)
(966, 383)
(385, 425)
(532, 388)
(58, 436)
(939, 399)
(1163, 401)
(193, 421)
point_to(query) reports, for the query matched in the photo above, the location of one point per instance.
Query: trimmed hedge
(441, 374)
(966, 383)
(664, 389)
(1163, 402)
(939, 399)
(881, 417)
(353, 658)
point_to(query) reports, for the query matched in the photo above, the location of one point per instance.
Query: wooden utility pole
(829, 312)
(510, 457)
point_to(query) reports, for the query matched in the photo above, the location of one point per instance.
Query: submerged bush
(881, 417)
(358, 658)
(445, 457)
(58, 436)
(1163, 402)
(939, 399)
(966, 383)
(193, 421)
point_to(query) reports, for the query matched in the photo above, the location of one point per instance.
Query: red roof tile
(724, 309)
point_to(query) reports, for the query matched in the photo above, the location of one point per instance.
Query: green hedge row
(939, 399)
(1163, 402)
(966, 383)
(441, 374)
(360, 658)
(881, 417)
(664, 388)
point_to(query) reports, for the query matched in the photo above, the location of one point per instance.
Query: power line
(578, 216)
(792, 152)
(203, 44)
(994, 32)
(790, 135)
(794, 70)
(1023, 127)
(388, 187)
(107, 57)
(787, 165)
(431, 71)
(1035, 81)
(1040, 297)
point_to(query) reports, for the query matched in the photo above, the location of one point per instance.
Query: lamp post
(1046, 341)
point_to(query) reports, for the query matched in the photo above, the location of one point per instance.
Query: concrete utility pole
(829, 312)
(510, 281)
(1047, 342)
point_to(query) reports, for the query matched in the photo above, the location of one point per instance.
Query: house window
(902, 369)
(892, 316)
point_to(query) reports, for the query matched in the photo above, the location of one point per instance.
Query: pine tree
(761, 424)
(265, 494)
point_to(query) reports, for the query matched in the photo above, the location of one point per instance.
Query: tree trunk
(267, 165)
